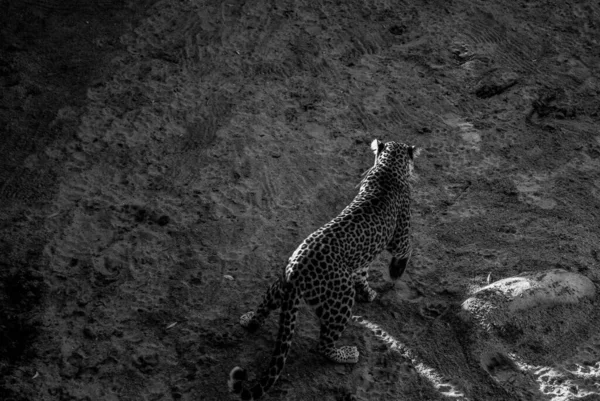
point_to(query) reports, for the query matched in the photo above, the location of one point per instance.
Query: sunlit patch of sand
(561, 384)
(437, 380)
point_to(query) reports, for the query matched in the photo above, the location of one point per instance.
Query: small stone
(163, 220)
(90, 332)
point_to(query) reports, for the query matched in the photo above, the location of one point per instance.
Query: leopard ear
(413, 152)
(377, 147)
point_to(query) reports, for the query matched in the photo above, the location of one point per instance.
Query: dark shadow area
(50, 53)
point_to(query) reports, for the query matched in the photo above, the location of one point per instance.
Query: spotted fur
(330, 268)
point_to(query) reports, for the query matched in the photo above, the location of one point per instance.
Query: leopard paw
(345, 354)
(348, 354)
(248, 321)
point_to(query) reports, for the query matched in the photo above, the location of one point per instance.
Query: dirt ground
(161, 160)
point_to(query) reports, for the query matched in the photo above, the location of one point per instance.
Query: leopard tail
(287, 325)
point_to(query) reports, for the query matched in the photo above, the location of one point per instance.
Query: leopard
(329, 270)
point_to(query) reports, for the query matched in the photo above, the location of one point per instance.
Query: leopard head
(402, 156)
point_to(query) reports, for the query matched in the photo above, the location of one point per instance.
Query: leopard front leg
(271, 301)
(400, 246)
(364, 292)
(335, 313)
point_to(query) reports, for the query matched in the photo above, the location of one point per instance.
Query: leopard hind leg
(334, 313)
(253, 320)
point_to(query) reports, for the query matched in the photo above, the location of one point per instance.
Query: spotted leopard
(330, 268)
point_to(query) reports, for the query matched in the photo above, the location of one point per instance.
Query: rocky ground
(161, 160)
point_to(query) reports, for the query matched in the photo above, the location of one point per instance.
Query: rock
(497, 302)
(510, 316)
(496, 82)
(163, 220)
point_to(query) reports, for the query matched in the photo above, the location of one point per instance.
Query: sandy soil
(162, 159)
